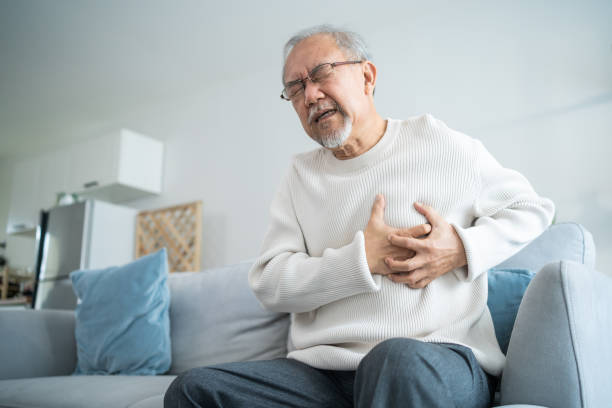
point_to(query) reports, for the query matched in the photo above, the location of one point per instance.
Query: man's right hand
(377, 245)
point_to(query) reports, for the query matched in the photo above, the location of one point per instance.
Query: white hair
(349, 42)
(337, 138)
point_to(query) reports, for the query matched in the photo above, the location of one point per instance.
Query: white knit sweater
(313, 262)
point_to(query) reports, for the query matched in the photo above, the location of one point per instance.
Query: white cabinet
(118, 167)
(93, 163)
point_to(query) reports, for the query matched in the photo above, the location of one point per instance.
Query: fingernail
(389, 237)
(420, 204)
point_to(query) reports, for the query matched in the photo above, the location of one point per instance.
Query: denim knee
(187, 385)
(395, 347)
(408, 372)
(404, 351)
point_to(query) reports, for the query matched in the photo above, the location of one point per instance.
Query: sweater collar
(368, 158)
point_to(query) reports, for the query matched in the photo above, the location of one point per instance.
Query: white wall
(6, 171)
(533, 81)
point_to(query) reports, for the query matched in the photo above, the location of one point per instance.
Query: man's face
(326, 109)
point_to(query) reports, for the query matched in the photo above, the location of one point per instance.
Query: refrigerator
(91, 234)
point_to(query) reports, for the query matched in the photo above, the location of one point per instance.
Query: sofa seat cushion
(156, 401)
(90, 391)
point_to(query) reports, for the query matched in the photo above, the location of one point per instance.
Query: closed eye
(293, 83)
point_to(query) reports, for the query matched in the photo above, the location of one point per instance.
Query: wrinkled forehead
(309, 53)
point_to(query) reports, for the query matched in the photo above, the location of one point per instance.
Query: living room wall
(531, 80)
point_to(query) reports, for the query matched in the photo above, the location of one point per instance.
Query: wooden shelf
(19, 302)
(178, 228)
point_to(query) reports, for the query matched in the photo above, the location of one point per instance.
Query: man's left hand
(440, 252)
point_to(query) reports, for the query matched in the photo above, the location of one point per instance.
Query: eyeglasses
(318, 74)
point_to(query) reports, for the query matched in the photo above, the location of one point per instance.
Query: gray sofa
(558, 354)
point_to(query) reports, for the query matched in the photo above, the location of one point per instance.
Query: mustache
(316, 109)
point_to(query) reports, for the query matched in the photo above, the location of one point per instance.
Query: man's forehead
(309, 53)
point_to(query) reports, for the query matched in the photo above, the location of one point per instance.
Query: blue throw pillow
(506, 289)
(122, 322)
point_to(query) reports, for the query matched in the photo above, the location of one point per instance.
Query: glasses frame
(309, 76)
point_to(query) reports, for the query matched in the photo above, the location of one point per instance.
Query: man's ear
(369, 77)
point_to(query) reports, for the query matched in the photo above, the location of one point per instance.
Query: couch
(558, 355)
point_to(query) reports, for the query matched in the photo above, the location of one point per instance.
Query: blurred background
(531, 79)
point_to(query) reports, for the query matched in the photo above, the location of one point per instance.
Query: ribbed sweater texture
(313, 262)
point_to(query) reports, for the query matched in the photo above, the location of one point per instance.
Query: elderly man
(379, 246)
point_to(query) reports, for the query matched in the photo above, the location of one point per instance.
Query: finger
(408, 265)
(406, 242)
(432, 216)
(416, 231)
(378, 208)
(412, 279)
(399, 277)
(422, 283)
(382, 271)
(401, 254)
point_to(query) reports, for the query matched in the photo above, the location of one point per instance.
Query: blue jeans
(397, 372)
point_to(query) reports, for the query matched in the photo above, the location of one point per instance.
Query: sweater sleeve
(286, 279)
(509, 214)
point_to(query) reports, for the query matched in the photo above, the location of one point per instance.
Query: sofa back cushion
(563, 241)
(509, 280)
(506, 290)
(215, 318)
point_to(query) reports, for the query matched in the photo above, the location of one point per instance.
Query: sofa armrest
(36, 343)
(559, 352)
(519, 406)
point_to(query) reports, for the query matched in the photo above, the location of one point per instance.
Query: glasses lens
(321, 72)
(293, 90)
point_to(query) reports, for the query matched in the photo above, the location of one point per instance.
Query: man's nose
(312, 93)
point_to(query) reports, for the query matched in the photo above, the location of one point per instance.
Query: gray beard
(337, 138)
